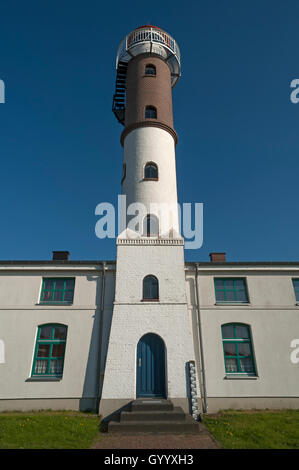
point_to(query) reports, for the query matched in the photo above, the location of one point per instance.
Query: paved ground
(202, 440)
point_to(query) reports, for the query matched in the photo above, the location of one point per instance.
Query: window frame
(145, 178)
(50, 358)
(296, 289)
(146, 233)
(150, 107)
(235, 340)
(150, 74)
(154, 299)
(53, 290)
(237, 302)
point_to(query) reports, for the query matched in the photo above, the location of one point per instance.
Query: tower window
(49, 350)
(150, 112)
(237, 347)
(150, 171)
(150, 288)
(150, 69)
(150, 226)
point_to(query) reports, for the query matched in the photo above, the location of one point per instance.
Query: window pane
(47, 295)
(229, 283)
(60, 332)
(220, 296)
(151, 226)
(150, 288)
(58, 296)
(230, 295)
(48, 284)
(56, 367)
(239, 283)
(40, 367)
(58, 350)
(43, 350)
(68, 296)
(69, 284)
(59, 284)
(45, 332)
(244, 349)
(230, 349)
(241, 296)
(228, 331)
(150, 70)
(246, 364)
(219, 283)
(150, 171)
(296, 288)
(242, 332)
(231, 365)
(150, 112)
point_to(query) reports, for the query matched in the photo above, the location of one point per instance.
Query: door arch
(150, 367)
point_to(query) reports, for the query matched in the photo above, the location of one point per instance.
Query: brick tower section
(148, 90)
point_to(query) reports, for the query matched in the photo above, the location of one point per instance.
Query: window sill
(55, 303)
(240, 376)
(150, 300)
(43, 379)
(233, 303)
(150, 179)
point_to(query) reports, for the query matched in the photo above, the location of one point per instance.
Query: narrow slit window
(151, 226)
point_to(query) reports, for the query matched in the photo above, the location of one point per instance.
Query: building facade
(98, 334)
(269, 312)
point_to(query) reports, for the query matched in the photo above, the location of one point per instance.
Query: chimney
(61, 255)
(217, 257)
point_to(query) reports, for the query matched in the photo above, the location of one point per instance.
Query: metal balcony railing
(148, 34)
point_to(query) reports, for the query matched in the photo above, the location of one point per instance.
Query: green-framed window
(296, 288)
(57, 290)
(49, 350)
(232, 290)
(237, 348)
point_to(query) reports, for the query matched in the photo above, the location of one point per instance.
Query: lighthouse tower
(151, 339)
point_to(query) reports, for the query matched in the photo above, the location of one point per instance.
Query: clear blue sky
(238, 149)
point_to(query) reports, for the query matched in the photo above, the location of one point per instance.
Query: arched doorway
(150, 367)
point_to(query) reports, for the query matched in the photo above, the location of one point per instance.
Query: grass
(48, 430)
(266, 429)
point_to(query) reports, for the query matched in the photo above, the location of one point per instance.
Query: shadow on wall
(92, 387)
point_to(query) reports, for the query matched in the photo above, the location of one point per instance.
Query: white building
(96, 335)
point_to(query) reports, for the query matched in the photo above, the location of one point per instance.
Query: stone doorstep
(153, 416)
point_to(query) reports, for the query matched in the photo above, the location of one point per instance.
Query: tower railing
(148, 34)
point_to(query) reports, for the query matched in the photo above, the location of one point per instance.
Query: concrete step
(177, 414)
(151, 405)
(172, 427)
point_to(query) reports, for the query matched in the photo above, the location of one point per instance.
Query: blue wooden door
(150, 366)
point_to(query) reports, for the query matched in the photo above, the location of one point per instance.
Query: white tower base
(133, 318)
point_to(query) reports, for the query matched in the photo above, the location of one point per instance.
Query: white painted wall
(21, 314)
(151, 144)
(132, 318)
(274, 321)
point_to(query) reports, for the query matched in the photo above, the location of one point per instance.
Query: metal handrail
(148, 35)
